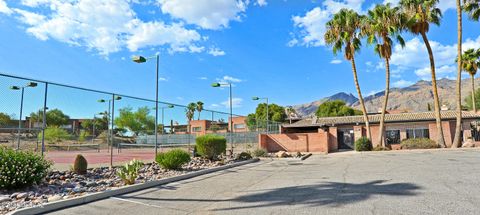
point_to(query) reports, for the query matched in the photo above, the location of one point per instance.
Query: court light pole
(112, 111)
(22, 88)
(256, 99)
(231, 110)
(141, 59)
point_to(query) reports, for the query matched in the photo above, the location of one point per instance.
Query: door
(345, 139)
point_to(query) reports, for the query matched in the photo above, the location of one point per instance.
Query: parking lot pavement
(414, 182)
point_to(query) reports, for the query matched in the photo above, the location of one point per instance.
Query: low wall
(296, 142)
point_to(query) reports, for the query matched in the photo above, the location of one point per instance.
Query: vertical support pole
(44, 124)
(156, 109)
(20, 120)
(231, 118)
(111, 131)
(267, 116)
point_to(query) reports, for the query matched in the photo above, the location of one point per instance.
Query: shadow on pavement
(324, 194)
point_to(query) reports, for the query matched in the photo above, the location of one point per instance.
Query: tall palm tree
(472, 7)
(199, 108)
(343, 32)
(190, 112)
(458, 128)
(290, 113)
(470, 64)
(381, 25)
(421, 13)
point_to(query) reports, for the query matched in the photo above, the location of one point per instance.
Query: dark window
(418, 133)
(392, 136)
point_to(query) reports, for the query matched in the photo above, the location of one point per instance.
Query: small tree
(335, 108)
(136, 122)
(55, 117)
(5, 120)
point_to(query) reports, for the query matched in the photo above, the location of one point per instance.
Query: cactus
(80, 165)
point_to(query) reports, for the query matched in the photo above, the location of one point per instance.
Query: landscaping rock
(282, 154)
(54, 198)
(4, 198)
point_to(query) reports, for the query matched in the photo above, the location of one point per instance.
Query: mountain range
(414, 98)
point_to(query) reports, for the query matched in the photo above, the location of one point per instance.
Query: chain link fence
(60, 121)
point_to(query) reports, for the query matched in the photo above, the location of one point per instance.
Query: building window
(239, 126)
(392, 136)
(418, 133)
(197, 129)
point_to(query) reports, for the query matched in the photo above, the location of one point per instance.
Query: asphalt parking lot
(413, 182)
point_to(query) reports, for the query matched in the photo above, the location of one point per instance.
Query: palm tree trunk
(458, 127)
(381, 140)
(360, 98)
(474, 106)
(436, 102)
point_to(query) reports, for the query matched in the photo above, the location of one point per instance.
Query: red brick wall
(298, 142)
(332, 139)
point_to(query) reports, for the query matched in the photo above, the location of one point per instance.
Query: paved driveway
(431, 182)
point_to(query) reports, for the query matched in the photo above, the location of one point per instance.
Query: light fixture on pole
(141, 59)
(231, 114)
(256, 99)
(22, 88)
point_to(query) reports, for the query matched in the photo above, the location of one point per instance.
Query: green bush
(244, 156)
(129, 172)
(54, 135)
(173, 159)
(211, 146)
(380, 148)
(259, 153)
(83, 135)
(20, 169)
(80, 165)
(363, 144)
(419, 143)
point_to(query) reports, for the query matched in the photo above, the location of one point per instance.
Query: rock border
(48, 207)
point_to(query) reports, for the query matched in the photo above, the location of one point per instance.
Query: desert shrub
(83, 135)
(173, 159)
(54, 135)
(363, 144)
(259, 153)
(244, 156)
(380, 148)
(211, 146)
(418, 143)
(20, 169)
(80, 165)
(129, 172)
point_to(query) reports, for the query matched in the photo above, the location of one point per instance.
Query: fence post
(44, 124)
(111, 131)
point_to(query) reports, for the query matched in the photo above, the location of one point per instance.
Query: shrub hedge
(259, 153)
(418, 143)
(211, 146)
(363, 144)
(173, 159)
(244, 156)
(20, 169)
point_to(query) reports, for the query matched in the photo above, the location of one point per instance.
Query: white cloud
(312, 25)
(4, 8)
(106, 26)
(216, 52)
(180, 98)
(203, 78)
(162, 79)
(261, 3)
(229, 79)
(415, 57)
(236, 102)
(335, 61)
(441, 72)
(214, 106)
(402, 83)
(208, 14)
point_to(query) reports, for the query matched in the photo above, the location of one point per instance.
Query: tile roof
(399, 117)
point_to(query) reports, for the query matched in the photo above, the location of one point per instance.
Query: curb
(48, 207)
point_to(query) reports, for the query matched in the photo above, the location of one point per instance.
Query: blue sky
(266, 48)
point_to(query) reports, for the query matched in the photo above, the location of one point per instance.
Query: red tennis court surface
(62, 159)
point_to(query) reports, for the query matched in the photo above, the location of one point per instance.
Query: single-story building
(331, 134)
